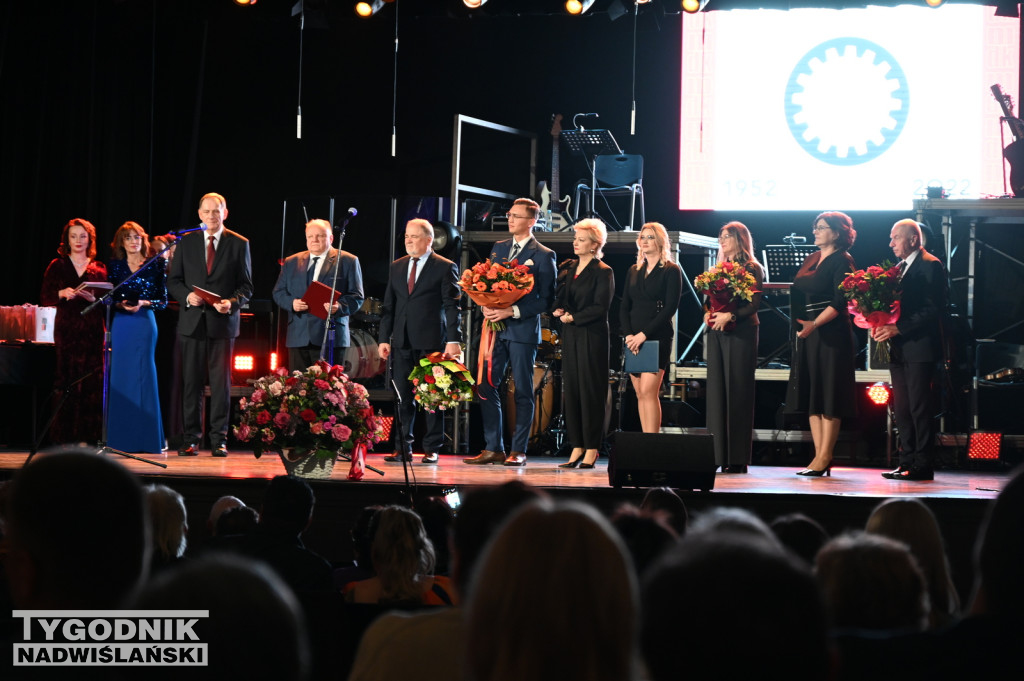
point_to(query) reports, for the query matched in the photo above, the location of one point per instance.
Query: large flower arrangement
(440, 383)
(318, 410)
(493, 284)
(726, 285)
(873, 296)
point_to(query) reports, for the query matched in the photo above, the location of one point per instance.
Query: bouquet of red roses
(726, 284)
(493, 284)
(874, 299)
(439, 382)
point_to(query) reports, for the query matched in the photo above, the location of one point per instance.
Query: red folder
(316, 295)
(209, 297)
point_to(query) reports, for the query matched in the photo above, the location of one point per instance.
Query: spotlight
(934, 3)
(273, 361)
(243, 363)
(694, 6)
(984, 446)
(447, 239)
(473, 4)
(245, 3)
(578, 6)
(368, 9)
(879, 394)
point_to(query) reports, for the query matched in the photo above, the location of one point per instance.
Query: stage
(842, 502)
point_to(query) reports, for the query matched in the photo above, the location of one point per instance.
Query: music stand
(596, 142)
(782, 262)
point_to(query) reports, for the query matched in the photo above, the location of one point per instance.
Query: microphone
(177, 233)
(582, 115)
(794, 239)
(349, 214)
(352, 212)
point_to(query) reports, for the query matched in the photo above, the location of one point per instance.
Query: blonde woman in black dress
(732, 358)
(822, 380)
(582, 299)
(650, 299)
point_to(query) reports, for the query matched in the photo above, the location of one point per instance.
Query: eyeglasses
(722, 237)
(816, 228)
(649, 237)
(519, 217)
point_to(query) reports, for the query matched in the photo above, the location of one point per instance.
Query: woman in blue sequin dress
(133, 409)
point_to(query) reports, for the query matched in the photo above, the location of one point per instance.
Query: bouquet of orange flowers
(874, 299)
(493, 284)
(726, 284)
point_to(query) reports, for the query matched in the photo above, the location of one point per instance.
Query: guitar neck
(555, 188)
(1016, 124)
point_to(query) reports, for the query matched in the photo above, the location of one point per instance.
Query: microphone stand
(327, 344)
(108, 300)
(399, 434)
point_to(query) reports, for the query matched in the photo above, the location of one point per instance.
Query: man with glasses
(420, 316)
(518, 342)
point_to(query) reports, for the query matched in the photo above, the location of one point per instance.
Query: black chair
(617, 175)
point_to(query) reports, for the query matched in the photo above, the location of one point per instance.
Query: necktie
(903, 268)
(210, 253)
(514, 253)
(312, 270)
(412, 275)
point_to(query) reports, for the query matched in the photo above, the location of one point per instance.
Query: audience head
(222, 504)
(665, 500)
(128, 229)
(362, 535)
(724, 519)
(75, 227)
(800, 534)
(77, 533)
(594, 233)
(401, 552)
(999, 554)
(872, 582)
(238, 520)
(553, 597)
(841, 225)
(646, 535)
(437, 517)
(168, 522)
(287, 505)
(735, 602)
(482, 512)
(255, 627)
(911, 522)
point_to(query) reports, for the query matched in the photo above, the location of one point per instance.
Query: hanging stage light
(245, 3)
(578, 6)
(473, 4)
(368, 9)
(934, 3)
(694, 6)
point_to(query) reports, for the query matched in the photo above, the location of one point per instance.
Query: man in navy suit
(420, 316)
(216, 260)
(305, 329)
(517, 344)
(916, 347)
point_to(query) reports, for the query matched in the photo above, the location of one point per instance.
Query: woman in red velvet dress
(78, 337)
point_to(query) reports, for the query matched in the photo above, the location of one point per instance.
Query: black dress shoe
(735, 468)
(398, 457)
(429, 457)
(895, 473)
(913, 474)
(188, 450)
(220, 450)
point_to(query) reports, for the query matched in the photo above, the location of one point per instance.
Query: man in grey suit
(421, 315)
(215, 260)
(305, 329)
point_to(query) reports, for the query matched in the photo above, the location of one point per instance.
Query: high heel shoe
(811, 473)
(571, 464)
(584, 463)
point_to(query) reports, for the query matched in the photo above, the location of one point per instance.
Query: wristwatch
(733, 315)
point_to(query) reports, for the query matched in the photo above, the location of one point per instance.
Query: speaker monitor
(662, 460)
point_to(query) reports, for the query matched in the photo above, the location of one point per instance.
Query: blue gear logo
(847, 101)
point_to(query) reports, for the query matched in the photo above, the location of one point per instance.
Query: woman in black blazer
(732, 358)
(650, 299)
(583, 297)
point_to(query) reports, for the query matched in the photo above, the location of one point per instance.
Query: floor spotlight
(984, 446)
(578, 6)
(368, 9)
(879, 394)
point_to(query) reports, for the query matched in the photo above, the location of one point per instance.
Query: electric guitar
(555, 213)
(1014, 151)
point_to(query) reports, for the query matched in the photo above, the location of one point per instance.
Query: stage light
(473, 4)
(447, 239)
(694, 6)
(984, 446)
(879, 394)
(368, 9)
(578, 6)
(934, 3)
(245, 3)
(273, 361)
(243, 363)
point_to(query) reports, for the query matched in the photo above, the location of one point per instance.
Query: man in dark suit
(305, 329)
(916, 347)
(420, 316)
(215, 260)
(517, 344)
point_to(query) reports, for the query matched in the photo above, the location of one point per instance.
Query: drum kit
(362, 360)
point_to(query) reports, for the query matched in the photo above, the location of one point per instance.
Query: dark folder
(645, 361)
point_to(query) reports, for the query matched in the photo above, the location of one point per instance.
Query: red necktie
(412, 276)
(210, 252)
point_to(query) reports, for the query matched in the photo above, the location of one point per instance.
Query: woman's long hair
(740, 232)
(660, 238)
